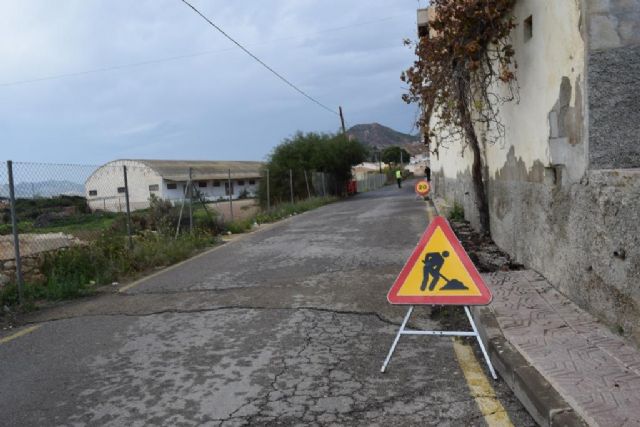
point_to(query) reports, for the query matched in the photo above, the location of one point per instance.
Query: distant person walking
(427, 173)
(399, 178)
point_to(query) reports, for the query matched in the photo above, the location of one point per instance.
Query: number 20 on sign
(422, 188)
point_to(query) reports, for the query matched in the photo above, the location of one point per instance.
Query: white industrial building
(168, 179)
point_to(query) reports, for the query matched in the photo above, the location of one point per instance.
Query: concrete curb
(545, 404)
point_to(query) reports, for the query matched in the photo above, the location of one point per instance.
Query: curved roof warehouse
(168, 179)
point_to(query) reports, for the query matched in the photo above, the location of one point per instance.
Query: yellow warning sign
(439, 271)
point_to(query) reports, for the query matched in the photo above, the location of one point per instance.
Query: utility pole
(230, 194)
(401, 162)
(126, 197)
(268, 195)
(307, 182)
(379, 161)
(190, 201)
(344, 131)
(14, 229)
(291, 184)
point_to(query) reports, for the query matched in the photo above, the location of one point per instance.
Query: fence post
(291, 184)
(307, 182)
(190, 187)
(324, 188)
(268, 194)
(230, 195)
(16, 238)
(126, 199)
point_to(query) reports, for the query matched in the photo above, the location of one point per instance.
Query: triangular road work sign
(439, 272)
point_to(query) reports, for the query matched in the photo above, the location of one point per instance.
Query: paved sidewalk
(560, 361)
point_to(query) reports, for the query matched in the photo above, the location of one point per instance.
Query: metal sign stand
(473, 333)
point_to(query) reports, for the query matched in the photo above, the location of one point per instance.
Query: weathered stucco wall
(553, 205)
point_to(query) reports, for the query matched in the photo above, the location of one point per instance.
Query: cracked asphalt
(285, 326)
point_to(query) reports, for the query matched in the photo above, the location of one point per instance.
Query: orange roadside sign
(439, 272)
(422, 187)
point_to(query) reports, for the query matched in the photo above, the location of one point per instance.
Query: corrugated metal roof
(178, 170)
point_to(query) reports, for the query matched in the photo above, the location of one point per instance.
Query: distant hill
(377, 135)
(44, 189)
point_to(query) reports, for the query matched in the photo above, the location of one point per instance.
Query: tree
(307, 152)
(459, 77)
(392, 155)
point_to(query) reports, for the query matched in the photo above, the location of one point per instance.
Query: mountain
(44, 189)
(377, 135)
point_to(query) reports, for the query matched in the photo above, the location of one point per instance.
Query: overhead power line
(294, 87)
(110, 68)
(177, 57)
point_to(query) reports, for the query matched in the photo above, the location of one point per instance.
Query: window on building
(93, 192)
(202, 184)
(216, 183)
(423, 30)
(154, 187)
(172, 186)
(252, 182)
(528, 28)
(241, 182)
(121, 189)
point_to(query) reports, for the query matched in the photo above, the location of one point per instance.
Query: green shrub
(456, 213)
(287, 209)
(23, 227)
(9, 294)
(239, 225)
(244, 194)
(163, 216)
(78, 270)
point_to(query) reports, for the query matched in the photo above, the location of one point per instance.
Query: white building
(563, 184)
(168, 179)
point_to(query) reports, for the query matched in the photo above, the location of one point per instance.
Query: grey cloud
(197, 105)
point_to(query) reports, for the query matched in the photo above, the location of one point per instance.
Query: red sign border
(485, 296)
(415, 187)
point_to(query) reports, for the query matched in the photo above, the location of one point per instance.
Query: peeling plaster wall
(553, 205)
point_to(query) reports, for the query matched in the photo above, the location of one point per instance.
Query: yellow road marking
(485, 396)
(492, 410)
(18, 334)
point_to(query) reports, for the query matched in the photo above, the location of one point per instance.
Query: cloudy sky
(172, 87)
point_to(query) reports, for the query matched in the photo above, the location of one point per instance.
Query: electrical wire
(110, 68)
(274, 72)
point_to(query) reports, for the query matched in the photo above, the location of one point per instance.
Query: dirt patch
(484, 253)
(242, 209)
(486, 256)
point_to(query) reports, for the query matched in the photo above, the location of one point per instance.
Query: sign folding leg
(474, 333)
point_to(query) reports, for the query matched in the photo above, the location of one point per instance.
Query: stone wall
(31, 271)
(614, 83)
(584, 237)
(33, 248)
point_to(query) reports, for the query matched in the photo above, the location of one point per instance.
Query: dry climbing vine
(463, 72)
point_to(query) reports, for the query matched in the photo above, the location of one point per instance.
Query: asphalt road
(285, 326)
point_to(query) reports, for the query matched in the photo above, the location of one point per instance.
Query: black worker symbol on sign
(433, 262)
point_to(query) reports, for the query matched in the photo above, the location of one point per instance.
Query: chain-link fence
(370, 181)
(47, 209)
